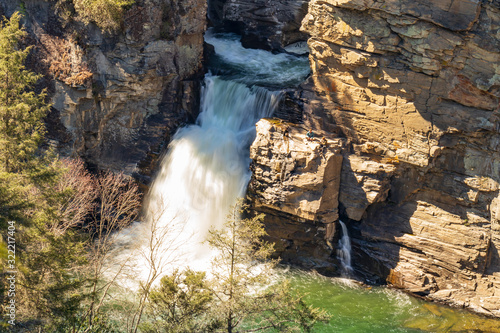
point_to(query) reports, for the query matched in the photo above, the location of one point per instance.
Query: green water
(358, 309)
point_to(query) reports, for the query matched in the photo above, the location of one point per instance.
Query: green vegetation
(53, 213)
(21, 110)
(275, 121)
(243, 293)
(243, 273)
(107, 14)
(179, 304)
(42, 257)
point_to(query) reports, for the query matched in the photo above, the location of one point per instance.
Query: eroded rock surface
(296, 182)
(117, 97)
(414, 86)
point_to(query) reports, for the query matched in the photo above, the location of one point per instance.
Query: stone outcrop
(296, 183)
(364, 182)
(266, 24)
(414, 87)
(117, 97)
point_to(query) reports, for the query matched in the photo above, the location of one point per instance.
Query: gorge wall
(116, 97)
(412, 88)
(296, 183)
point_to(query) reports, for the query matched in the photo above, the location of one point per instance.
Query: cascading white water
(344, 252)
(206, 168)
(255, 67)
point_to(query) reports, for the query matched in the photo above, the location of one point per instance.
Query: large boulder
(296, 183)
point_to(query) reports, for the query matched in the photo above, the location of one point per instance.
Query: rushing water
(206, 168)
(255, 67)
(344, 252)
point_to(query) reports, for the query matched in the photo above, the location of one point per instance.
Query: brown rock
(298, 181)
(363, 183)
(418, 101)
(297, 176)
(142, 81)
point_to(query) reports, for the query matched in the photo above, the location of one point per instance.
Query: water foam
(206, 168)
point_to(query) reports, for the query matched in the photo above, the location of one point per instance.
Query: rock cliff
(296, 183)
(405, 92)
(117, 96)
(413, 87)
(415, 90)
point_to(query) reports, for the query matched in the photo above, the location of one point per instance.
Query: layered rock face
(414, 87)
(117, 97)
(296, 183)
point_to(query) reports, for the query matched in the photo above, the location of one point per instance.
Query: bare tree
(118, 206)
(162, 250)
(78, 191)
(105, 204)
(108, 204)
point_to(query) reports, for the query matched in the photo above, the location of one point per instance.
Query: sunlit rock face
(295, 182)
(118, 96)
(414, 88)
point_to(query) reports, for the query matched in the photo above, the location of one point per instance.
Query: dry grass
(65, 60)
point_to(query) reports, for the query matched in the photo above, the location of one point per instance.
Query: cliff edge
(117, 96)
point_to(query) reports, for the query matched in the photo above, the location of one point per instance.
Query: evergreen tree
(244, 293)
(44, 262)
(21, 110)
(242, 285)
(179, 303)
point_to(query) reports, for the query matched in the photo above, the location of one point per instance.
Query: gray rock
(265, 24)
(120, 96)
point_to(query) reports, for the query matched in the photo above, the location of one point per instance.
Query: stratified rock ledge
(296, 183)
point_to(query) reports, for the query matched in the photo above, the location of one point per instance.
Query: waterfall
(344, 252)
(206, 168)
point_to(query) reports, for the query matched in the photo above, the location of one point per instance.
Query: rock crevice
(406, 83)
